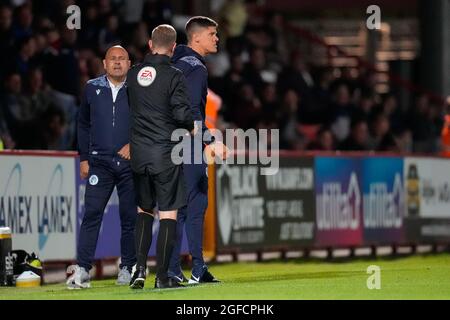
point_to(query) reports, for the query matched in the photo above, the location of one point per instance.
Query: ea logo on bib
(93, 180)
(146, 76)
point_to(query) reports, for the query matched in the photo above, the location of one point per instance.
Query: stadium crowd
(263, 79)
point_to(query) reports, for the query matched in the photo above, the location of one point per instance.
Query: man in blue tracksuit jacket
(103, 141)
(202, 40)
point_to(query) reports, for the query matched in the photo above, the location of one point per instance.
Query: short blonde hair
(164, 36)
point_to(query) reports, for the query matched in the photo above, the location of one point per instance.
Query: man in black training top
(159, 104)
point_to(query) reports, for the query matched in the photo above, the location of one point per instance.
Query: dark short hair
(197, 22)
(164, 36)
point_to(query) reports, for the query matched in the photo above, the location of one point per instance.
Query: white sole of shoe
(138, 283)
(193, 282)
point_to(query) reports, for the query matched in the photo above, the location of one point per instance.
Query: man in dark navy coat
(202, 40)
(103, 142)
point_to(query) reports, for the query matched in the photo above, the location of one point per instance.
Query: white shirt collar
(115, 89)
(120, 85)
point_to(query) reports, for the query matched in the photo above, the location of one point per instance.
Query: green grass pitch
(413, 277)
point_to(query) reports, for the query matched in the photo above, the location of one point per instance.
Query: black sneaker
(138, 279)
(167, 283)
(207, 277)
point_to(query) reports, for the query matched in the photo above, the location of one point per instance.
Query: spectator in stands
(366, 83)
(67, 79)
(14, 106)
(233, 80)
(258, 37)
(7, 39)
(322, 97)
(26, 50)
(109, 36)
(54, 10)
(421, 125)
(37, 98)
(105, 9)
(232, 18)
(61, 61)
(69, 106)
(53, 39)
(290, 136)
(390, 109)
(279, 52)
(365, 108)
(269, 102)
(95, 67)
(23, 22)
(380, 127)
(41, 46)
(42, 23)
(6, 34)
(342, 111)
(247, 110)
(404, 140)
(132, 13)
(235, 14)
(140, 36)
(296, 76)
(158, 12)
(358, 139)
(90, 32)
(54, 127)
(324, 141)
(253, 70)
(348, 77)
(389, 144)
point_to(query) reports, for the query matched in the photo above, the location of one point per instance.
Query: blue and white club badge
(146, 76)
(93, 180)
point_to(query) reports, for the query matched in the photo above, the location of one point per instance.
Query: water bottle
(6, 260)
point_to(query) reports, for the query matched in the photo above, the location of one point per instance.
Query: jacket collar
(157, 59)
(183, 50)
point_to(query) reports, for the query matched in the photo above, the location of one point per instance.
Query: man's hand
(84, 169)
(218, 149)
(125, 152)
